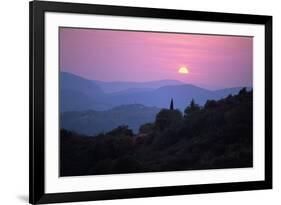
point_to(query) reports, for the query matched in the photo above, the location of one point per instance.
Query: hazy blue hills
(79, 94)
(95, 122)
(70, 82)
(182, 95)
(113, 87)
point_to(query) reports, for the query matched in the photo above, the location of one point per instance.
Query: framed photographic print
(140, 102)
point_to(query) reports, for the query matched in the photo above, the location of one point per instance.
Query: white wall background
(14, 100)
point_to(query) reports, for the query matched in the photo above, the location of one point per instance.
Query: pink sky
(107, 55)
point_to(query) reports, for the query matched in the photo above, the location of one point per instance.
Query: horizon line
(183, 83)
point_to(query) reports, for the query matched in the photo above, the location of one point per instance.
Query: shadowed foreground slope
(218, 135)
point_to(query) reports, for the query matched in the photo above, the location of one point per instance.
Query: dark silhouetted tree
(146, 128)
(165, 118)
(243, 91)
(210, 104)
(172, 104)
(121, 130)
(193, 107)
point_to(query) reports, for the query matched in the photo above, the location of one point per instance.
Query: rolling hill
(78, 94)
(95, 122)
(113, 87)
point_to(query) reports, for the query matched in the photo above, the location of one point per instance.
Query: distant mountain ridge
(113, 87)
(73, 82)
(78, 94)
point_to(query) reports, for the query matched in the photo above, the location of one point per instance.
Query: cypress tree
(172, 104)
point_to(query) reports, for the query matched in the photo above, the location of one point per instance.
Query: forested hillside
(216, 135)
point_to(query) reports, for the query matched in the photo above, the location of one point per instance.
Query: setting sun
(183, 70)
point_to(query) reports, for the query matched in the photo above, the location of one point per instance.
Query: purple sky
(107, 55)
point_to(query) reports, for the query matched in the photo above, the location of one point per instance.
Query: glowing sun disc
(183, 70)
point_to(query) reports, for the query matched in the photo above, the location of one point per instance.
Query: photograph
(139, 101)
(147, 101)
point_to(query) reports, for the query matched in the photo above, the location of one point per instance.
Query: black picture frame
(37, 10)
